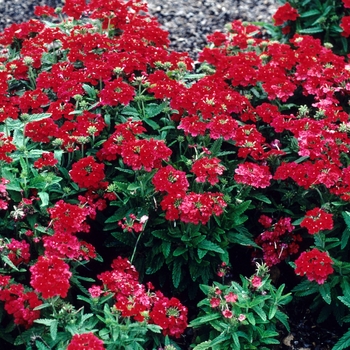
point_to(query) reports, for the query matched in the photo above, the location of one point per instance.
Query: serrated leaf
(310, 13)
(153, 109)
(207, 245)
(311, 30)
(283, 318)
(45, 321)
(203, 346)
(151, 123)
(215, 148)
(260, 312)
(204, 320)
(53, 329)
(44, 197)
(261, 198)
(166, 245)
(179, 251)
(343, 343)
(177, 273)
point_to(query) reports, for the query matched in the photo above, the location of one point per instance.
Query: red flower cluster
(193, 207)
(168, 179)
(47, 160)
(285, 13)
(316, 265)
(6, 146)
(87, 173)
(85, 341)
(18, 252)
(253, 175)
(69, 218)
(278, 242)
(317, 220)
(19, 303)
(132, 299)
(50, 276)
(207, 169)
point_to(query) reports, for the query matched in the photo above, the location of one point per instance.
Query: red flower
(20, 304)
(253, 175)
(215, 302)
(315, 265)
(68, 217)
(47, 159)
(116, 92)
(86, 341)
(42, 130)
(6, 146)
(285, 13)
(18, 251)
(345, 25)
(207, 169)
(170, 180)
(346, 3)
(45, 11)
(65, 245)
(74, 8)
(317, 220)
(50, 277)
(192, 125)
(171, 315)
(87, 173)
(147, 154)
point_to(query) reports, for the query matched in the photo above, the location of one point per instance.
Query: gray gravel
(188, 21)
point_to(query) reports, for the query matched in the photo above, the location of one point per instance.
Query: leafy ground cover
(145, 205)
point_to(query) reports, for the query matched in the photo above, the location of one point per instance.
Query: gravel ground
(188, 21)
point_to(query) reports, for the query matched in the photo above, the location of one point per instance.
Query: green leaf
(283, 318)
(215, 148)
(204, 320)
(201, 253)
(346, 217)
(207, 245)
(176, 273)
(7, 261)
(261, 198)
(272, 312)
(37, 117)
(89, 90)
(53, 329)
(153, 109)
(311, 30)
(166, 248)
(203, 346)
(343, 343)
(179, 251)
(345, 238)
(128, 110)
(44, 197)
(260, 312)
(345, 301)
(45, 321)
(310, 13)
(151, 123)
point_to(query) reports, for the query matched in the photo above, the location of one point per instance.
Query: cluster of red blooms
(278, 240)
(317, 220)
(85, 341)
(188, 207)
(18, 302)
(316, 265)
(132, 299)
(285, 13)
(18, 251)
(87, 173)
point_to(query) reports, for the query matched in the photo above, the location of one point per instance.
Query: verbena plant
(127, 179)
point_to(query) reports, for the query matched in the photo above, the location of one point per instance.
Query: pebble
(187, 21)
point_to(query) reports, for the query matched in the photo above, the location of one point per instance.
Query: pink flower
(227, 313)
(256, 282)
(231, 298)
